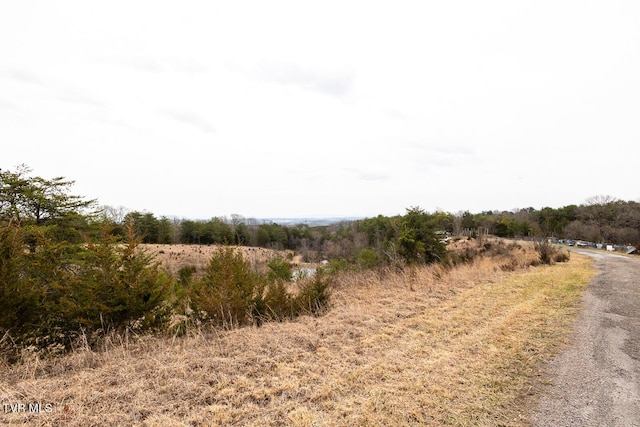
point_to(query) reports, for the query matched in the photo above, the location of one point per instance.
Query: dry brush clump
(174, 257)
(427, 345)
(511, 255)
(550, 253)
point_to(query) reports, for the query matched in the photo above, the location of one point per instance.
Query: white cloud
(334, 83)
(192, 119)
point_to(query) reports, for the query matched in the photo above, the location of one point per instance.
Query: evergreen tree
(230, 293)
(45, 204)
(128, 287)
(418, 241)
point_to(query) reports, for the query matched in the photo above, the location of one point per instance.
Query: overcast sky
(313, 109)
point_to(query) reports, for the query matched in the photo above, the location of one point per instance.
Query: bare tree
(600, 200)
(115, 215)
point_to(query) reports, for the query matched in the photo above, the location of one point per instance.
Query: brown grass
(174, 257)
(428, 346)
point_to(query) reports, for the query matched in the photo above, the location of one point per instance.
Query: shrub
(16, 299)
(123, 286)
(279, 269)
(185, 274)
(40, 290)
(58, 291)
(338, 264)
(367, 258)
(314, 294)
(549, 253)
(465, 256)
(278, 302)
(230, 293)
(561, 256)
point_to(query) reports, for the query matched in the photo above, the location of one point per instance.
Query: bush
(314, 294)
(465, 256)
(279, 269)
(549, 253)
(123, 287)
(52, 294)
(185, 274)
(561, 256)
(17, 300)
(229, 293)
(39, 288)
(367, 258)
(338, 264)
(278, 302)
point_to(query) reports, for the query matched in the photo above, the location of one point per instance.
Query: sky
(198, 109)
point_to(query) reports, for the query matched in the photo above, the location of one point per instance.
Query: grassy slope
(429, 348)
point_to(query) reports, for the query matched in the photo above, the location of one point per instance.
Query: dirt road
(596, 381)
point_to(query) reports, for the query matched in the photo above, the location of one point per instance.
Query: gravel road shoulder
(596, 380)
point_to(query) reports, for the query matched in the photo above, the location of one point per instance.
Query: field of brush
(420, 346)
(174, 257)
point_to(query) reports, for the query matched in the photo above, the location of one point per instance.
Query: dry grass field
(174, 257)
(429, 346)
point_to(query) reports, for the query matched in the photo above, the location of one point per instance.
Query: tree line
(601, 219)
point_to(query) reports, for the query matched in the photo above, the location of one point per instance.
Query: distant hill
(308, 221)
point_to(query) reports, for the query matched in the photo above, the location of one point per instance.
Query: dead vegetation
(429, 345)
(174, 257)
